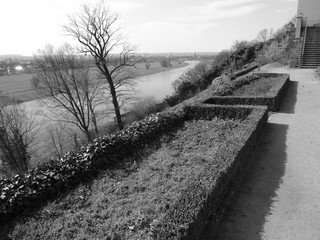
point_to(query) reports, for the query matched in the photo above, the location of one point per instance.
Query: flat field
(124, 203)
(20, 87)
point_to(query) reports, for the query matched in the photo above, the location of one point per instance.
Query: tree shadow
(246, 214)
(288, 103)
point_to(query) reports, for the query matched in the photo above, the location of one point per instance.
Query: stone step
(311, 58)
(310, 55)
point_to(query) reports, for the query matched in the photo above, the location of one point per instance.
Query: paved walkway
(280, 198)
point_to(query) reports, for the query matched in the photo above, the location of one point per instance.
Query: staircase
(310, 53)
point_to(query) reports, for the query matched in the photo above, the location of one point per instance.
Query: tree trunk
(116, 107)
(102, 66)
(94, 120)
(87, 133)
(115, 103)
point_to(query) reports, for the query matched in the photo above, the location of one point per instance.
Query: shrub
(172, 100)
(143, 107)
(240, 45)
(190, 81)
(221, 57)
(147, 65)
(265, 35)
(165, 62)
(17, 135)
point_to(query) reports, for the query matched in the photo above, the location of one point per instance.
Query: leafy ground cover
(124, 203)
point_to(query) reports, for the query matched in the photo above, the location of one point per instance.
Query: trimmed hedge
(205, 197)
(207, 112)
(272, 99)
(244, 71)
(31, 190)
(220, 89)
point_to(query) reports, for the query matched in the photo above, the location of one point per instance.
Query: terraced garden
(261, 89)
(164, 177)
(258, 87)
(124, 203)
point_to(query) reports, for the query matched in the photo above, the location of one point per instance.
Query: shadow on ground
(287, 105)
(253, 200)
(245, 216)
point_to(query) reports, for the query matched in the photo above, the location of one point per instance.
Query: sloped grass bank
(268, 89)
(166, 191)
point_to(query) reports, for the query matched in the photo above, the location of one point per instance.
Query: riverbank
(20, 88)
(156, 68)
(157, 85)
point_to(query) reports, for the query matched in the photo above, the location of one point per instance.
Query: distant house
(18, 69)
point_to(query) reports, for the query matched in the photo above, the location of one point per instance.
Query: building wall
(309, 10)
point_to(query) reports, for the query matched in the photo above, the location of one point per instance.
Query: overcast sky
(153, 25)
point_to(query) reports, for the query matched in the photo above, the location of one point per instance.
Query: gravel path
(280, 198)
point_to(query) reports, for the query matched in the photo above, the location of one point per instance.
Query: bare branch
(64, 79)
(98, 32)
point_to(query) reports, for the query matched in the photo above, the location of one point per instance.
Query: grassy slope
(123, 203)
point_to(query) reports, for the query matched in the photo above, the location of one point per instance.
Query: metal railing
(303, 43)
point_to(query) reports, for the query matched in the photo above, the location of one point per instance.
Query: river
(157, 85)
(160, 84)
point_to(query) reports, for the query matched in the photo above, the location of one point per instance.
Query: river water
(160, 84)
(157, 85)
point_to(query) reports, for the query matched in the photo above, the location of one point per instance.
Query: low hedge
(246, 70)
(272, 99)
(203, 199)
(206, 195)
(27, 191)
(217, 89)
(207, 112)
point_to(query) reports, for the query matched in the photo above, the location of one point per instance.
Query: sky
(153, 25)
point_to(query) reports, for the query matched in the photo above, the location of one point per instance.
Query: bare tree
(239, 45)
(265, 35)
(63, 139)
(98, 32)
(17, 132)
(64, 79)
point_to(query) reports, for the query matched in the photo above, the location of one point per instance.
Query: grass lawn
(124, 203)
(257, 87)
